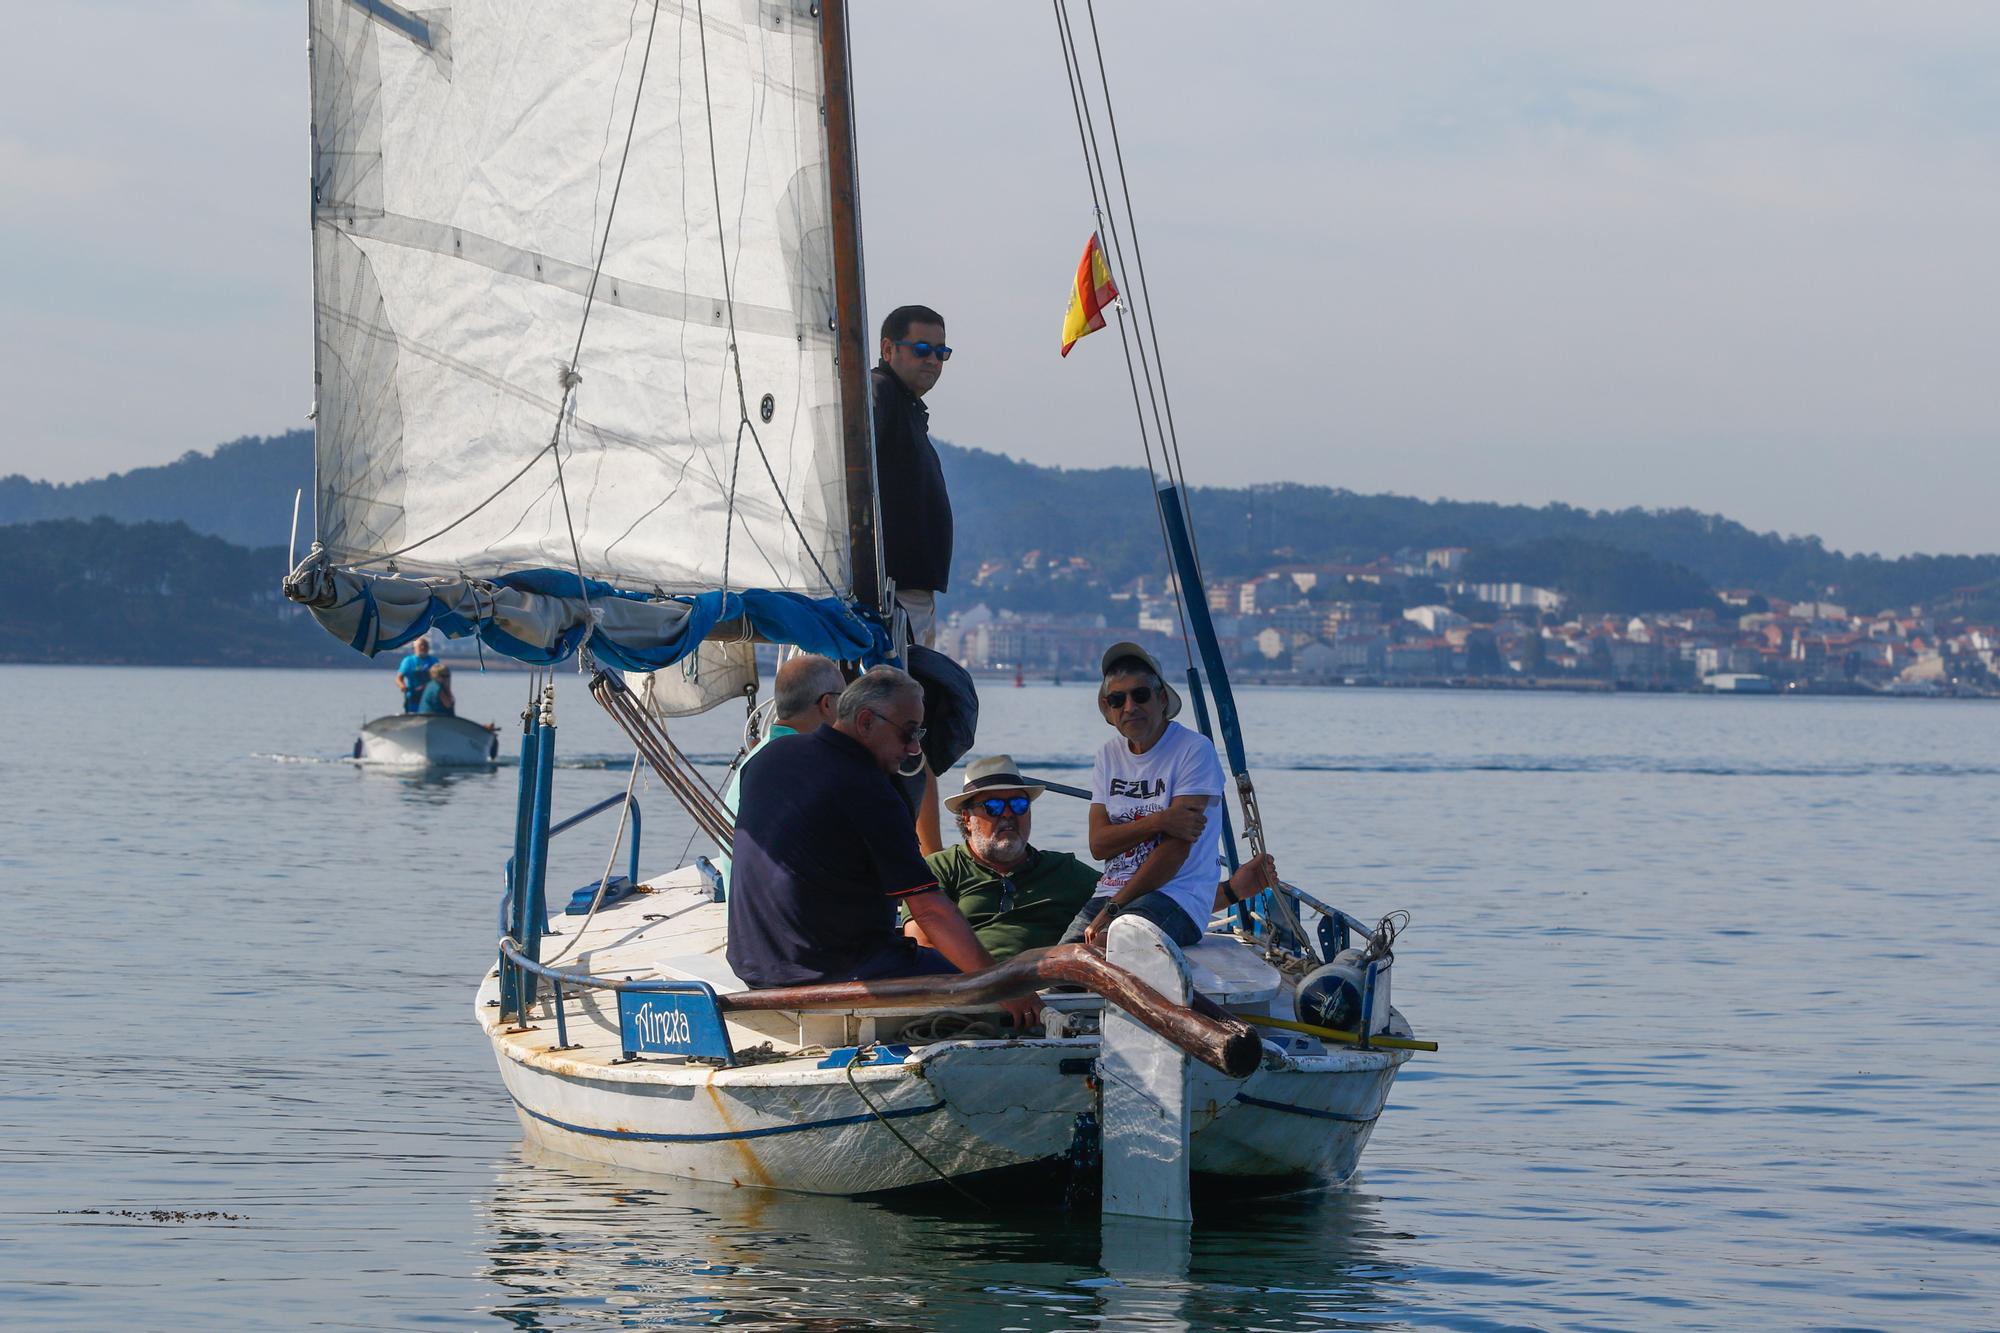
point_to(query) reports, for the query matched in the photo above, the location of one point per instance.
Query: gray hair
(802, 681)
(1131, 666)
(875, 690)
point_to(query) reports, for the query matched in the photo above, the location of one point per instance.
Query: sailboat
(591, 384)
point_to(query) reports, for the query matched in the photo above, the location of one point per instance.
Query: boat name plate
(688, 1023)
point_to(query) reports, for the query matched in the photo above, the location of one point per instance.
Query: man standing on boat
(805, 691)
(916, 508)
(414, 672)
(825, 853)
(1155, 810)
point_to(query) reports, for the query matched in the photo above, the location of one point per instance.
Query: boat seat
(1229, 973)
(1223, 970)
(710, 967)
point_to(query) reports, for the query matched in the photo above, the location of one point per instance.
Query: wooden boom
(1203, 1030)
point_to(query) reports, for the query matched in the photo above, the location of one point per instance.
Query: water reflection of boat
(569, 1244)
(427, 740)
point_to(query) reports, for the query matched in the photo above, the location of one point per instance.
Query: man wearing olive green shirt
(1014, 895)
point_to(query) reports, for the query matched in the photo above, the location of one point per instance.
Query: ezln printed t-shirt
(1128, 786)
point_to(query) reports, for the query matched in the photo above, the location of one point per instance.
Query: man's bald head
(803, 684)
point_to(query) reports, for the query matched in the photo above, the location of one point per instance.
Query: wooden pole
(1216, 1038)
(850, 308)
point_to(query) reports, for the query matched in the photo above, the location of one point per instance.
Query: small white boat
(427, 740)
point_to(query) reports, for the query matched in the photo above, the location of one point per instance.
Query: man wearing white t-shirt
(1155, 811)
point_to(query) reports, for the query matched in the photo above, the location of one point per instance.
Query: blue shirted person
(437, 696)
(415, 673)
(805, 692)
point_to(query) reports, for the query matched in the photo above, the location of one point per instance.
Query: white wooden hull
(970, 1108)
(969, 1105)
(432, 740)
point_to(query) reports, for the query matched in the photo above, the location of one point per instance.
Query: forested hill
(243, 493)
(96, 590)
(1006, 508)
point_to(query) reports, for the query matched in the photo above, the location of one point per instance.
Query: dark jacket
(916, 511)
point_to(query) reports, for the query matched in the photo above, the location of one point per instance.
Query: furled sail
(504, 189)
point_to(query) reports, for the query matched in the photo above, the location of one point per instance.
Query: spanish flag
(1094, 291)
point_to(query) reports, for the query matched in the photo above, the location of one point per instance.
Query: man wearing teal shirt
(414, 672)
(806, 690)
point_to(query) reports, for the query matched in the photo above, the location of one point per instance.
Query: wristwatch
(1112, 909)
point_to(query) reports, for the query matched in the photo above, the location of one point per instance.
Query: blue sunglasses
(923, 350)
(996, 806)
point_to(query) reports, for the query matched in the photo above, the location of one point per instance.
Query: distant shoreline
(988, 677)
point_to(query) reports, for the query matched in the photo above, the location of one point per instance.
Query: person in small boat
(1155, 810)
(915, 506)
(825, 853)
(1016, 896)
(414, 673)
(437, 696)
(806, 690)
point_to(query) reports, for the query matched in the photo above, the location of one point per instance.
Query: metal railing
(632, 861)
(511, 956)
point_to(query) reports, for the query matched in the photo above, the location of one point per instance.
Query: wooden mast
(850, 313)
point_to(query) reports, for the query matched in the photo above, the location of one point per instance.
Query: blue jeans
(1156, 907)
(916, 961)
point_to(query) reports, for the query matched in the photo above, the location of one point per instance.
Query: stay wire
(1114, 240)
(1073, 70)
(604, 883)
(1145, 293)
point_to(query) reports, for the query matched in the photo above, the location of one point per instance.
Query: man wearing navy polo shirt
(824, 853)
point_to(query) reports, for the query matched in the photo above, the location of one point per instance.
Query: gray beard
(1002, 849)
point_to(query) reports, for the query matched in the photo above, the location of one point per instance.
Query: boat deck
(672, 929)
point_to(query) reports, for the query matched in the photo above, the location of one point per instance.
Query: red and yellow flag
(1094, 293)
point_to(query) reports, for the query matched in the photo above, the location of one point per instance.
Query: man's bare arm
(1183, 819)
(938, 921)
(943, 927)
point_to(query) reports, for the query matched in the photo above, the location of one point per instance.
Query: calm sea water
(1715, 979)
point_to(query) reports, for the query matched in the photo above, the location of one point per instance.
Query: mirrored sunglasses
(921, 350)
(996, 806)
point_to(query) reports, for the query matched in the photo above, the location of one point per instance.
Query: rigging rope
(1145, 294)
(1093, 169)
(570, 376)
(604, 883)
(735, 357)
(1156, 400)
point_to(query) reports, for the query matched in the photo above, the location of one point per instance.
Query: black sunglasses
(996, 806)
(923, 349)
(1141, 695)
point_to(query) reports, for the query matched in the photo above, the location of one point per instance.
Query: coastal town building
(1399, 620)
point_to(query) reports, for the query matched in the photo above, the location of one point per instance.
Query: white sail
(466, 159)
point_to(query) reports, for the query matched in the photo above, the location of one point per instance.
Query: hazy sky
(1739, 257)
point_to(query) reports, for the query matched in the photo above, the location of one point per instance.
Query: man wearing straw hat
(1016, 896)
